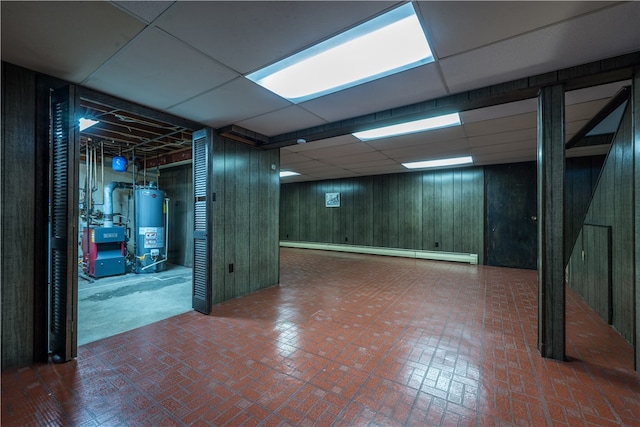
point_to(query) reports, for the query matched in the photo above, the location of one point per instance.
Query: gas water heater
(150, 214)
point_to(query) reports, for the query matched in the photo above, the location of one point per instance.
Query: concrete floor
(111, 305)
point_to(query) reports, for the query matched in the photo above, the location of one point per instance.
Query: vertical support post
(551, 262)
(635, 136)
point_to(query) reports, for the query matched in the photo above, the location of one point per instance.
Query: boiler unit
(103, 251)
(150, 211)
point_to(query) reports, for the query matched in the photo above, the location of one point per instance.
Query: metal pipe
(166, 228)
(135, 220)
(102, 167)
(89, 171)
(87, 185)
(155, 263)
(107, 208)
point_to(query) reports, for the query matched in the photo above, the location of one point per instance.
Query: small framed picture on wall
(332, 200)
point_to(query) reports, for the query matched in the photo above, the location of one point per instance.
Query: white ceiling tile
(502, 110)
(327, 171)
(503, 137)
(512, 155)
(504, 160)
(460, 26)
(409, 87)
(307, 166)
(197, 67)
(336, 174)
(373, 156)
(290, 157)
(146, 10)
(288, 119)
(367, 165)
(504, 124)
(247, 35)
(429, 151)
(230, 103)
(547, 49)
(68, 40)
(147, 71)
(421, 138)
(573, 127)
(595, 92)
(584, 110)
(325, 143)
(530, 144)
(302, 167)
(380, 170)
(338, 150)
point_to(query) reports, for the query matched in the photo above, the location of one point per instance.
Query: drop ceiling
(189, 59)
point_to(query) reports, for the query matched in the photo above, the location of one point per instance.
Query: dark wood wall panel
(473, 184)
(580, 181)
(511, 233)
(307, 218)
(363, 211)
(409, 211)
(635, 102)
(245, 251)
(17, 206)
(266, 215)
(428, 211)
(380, 217)
(612, 206)
(623, 248)
(591, 269)
(178, 184)
(231, 199)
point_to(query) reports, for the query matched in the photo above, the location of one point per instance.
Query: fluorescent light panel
(385, 45)
(86, 123)
(438, 163)
(288, 173)
(410, 127)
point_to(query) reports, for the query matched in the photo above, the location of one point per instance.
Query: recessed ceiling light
(410, 127)
(438, 163)
(86, 123)
(385, 45)
(288, 173)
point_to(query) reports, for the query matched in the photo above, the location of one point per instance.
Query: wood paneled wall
(436, 210)
(245, 217)
(17, 207)
(612, 206)
(177, 182)
(511, 231)
(580, 181)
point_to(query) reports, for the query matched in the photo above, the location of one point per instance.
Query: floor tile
(343, 340)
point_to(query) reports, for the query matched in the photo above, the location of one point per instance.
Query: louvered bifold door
(202, 199)
(64, 142)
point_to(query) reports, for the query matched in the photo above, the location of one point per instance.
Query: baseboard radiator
(371, 250)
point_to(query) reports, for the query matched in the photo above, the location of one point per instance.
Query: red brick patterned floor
(345, 340)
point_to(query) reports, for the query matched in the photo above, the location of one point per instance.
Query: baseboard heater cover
(371, 250)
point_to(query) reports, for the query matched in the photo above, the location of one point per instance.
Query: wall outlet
(230, 268)
(436, 244)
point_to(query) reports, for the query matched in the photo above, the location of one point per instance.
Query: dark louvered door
(64, 219)
(202, 199)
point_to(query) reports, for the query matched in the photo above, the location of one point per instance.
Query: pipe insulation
(108, 201)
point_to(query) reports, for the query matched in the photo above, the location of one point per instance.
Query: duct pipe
(108, 201)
